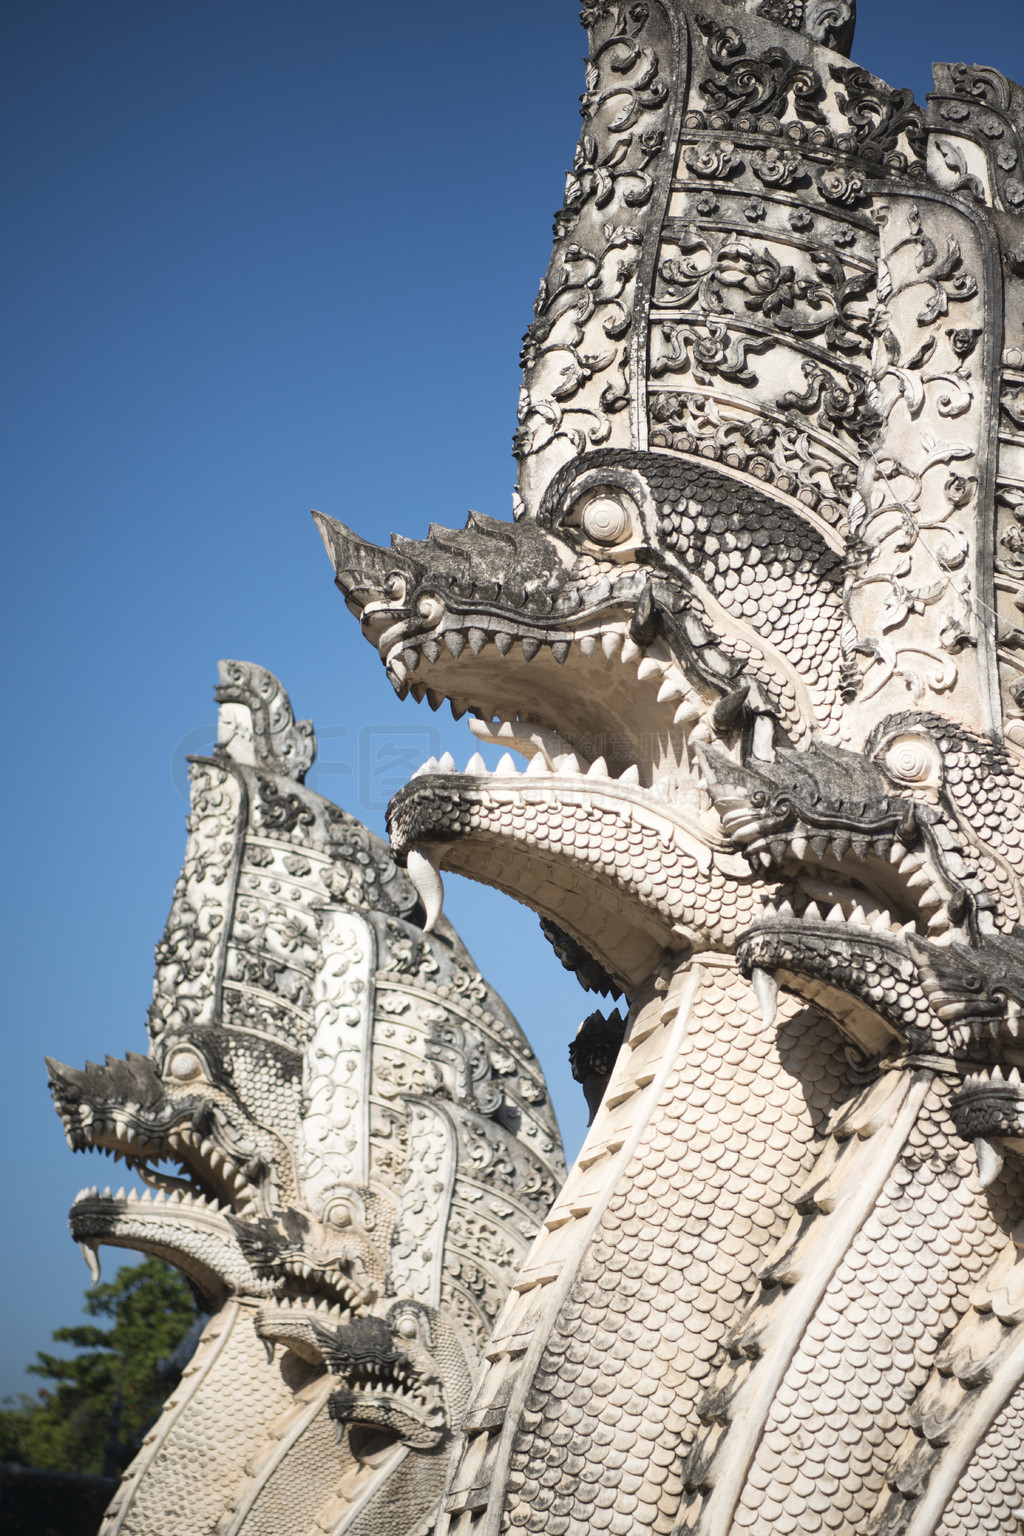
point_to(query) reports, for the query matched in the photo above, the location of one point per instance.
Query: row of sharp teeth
(877, 922)
(915, 868)
(613, 643)
(152, 1197)
(992, 1077)
(114, 1152)
(304, 1268)
(386, 1378)
(303, 1304)
(220, 1166)
(537, 767)
(340, 1284)
(238, 1188)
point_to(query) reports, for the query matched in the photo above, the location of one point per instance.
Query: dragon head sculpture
(755, 631)
(346, 1146)
(634, 619)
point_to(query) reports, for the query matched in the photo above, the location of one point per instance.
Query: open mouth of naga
(633, 820)
(202, 1208)
(168, 1134)
(618, 821)
(693, 817)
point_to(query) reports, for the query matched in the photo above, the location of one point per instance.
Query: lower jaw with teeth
(420, 1425)
(188, 1231)
(868, 983)
(989, 1110)
(551, 845)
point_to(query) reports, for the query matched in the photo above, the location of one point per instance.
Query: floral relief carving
(842, 186)
(188, 954)
(777, 166)
(828, 21)
(766, 85)
(713, 161)
(709, 349)
(729, 275)
(910, 592)
(837, 403)
(319, 1071)
(880, 118)
(282, 810)
(599, 177)
(408, 954)
(780, 522)
(1010, 559)
(417, 1246)
(577, 352)
(982, 105)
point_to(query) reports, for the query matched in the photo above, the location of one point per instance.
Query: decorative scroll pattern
(912, 604)
(334, 1149)
(1009, 542)
(190, 956)
(417, 1247)
(777, 669)
(982, 107)
(322, 1070)
(765, 278)
(577, 352)
(265, 723)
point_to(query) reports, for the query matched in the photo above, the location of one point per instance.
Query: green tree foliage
(104, 1398)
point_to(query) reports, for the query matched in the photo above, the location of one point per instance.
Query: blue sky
(259, 258)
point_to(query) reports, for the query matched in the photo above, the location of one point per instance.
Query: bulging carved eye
(605, 520)
(915, 761)
(185, 1065)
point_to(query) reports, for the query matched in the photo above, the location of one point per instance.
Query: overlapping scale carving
(900, 1288)
(707, 1193)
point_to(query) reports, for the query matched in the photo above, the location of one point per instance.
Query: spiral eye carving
(606, 520)
(185, 1065)
(914, 761)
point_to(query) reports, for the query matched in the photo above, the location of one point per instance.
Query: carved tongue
(423, 868)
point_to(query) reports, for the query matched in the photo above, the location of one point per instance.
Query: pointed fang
(990, 1161)
(423, 868)
(766, 990)
(92, 1259)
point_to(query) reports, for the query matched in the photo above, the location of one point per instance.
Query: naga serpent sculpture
(756, 631)
(365, 1151)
